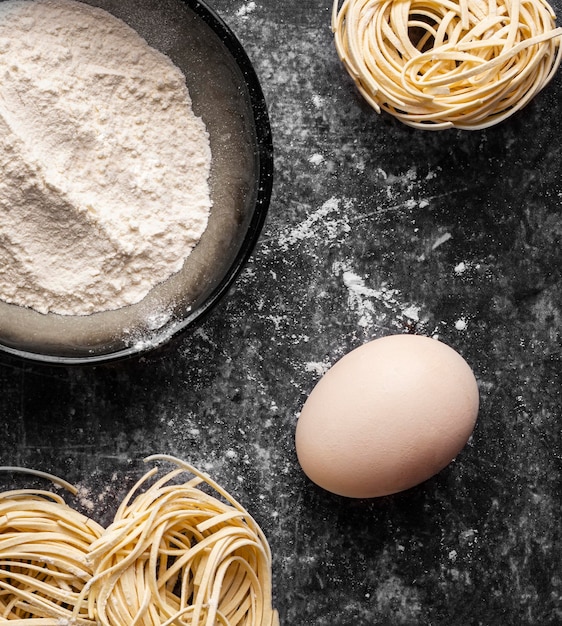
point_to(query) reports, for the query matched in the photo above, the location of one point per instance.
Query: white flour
(104, 167)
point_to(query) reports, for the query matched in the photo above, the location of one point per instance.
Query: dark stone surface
(373, 226)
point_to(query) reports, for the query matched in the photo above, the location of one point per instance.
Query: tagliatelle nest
(437, 64)
(175, 555)
(44, 547)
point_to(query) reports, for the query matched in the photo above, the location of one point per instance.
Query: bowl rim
(263, 187)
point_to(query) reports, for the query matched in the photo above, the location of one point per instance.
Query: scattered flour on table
(316, 159)
(104, 189)
(246, 9)
(329, 217)
(441, 240)
(467, 267)
(367, 301)
(85, 498)
(316, 367)
(375, 307)
(318, 101)
(461, 324)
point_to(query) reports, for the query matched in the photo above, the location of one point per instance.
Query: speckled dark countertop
(373, 228)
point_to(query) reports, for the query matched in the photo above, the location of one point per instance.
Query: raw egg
(387, 416)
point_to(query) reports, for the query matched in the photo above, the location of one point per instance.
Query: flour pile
(103, 165)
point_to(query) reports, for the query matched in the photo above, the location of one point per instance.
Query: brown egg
(387, 416)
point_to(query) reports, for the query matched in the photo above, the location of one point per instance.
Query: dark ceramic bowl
(227, 95)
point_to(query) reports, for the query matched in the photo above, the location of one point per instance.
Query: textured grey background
(373, 228)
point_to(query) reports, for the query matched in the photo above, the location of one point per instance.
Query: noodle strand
(436, 64)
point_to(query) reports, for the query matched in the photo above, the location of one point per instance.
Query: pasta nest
(436, 64)
(173, 555)
(44, 547)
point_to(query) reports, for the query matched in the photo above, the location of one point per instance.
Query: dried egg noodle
(437, 64)
(174, 555)
(44, 547)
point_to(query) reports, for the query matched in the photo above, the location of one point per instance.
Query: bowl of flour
(137, 168)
